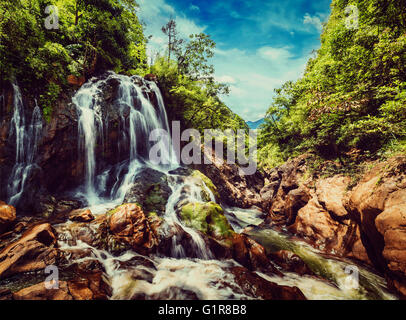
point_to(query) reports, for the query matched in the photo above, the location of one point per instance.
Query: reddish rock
(250, 254)
(129, 225)
(33, 251)
(81, 215)
(76, 81)
(40, 292)
(7, 216)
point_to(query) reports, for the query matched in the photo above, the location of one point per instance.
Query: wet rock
(81, 215)
(92, 286)
(35, 250)
(249, 253)
(207, 218)
(7, 216)
(255, 286)
(129, 225)
(290, 262)
(41, 292)
(206, 183)
(150, 190)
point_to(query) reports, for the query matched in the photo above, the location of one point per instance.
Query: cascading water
(27, 136)
(138, 119)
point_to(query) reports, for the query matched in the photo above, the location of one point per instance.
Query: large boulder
(7, 216)
(150, 190)
(208, 218)
(35, 250)
(129, 226)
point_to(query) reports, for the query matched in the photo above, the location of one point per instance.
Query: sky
(260, 43)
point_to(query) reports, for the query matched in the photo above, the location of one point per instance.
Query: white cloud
(275, 54)
(315, 21)
(193, 7)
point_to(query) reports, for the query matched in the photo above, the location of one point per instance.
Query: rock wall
(366, 223)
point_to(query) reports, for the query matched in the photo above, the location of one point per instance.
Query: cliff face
(366, 223)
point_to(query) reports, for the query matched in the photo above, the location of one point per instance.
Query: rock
(331, 194)
(35, 250)
(92, 286)
(81, 215)
(130, 226)
(7, 216)
(40, 292)
(377, 203)
(76, 81)
(391, 223)
(290, 262)
(151, 77)
(250, 254)
(255, 286)
(204, 183)
(5, 294)
(235, 189)
(150, 190)
(314, 223)
(207, 218)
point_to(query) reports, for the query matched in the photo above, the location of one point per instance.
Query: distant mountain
(255, 124)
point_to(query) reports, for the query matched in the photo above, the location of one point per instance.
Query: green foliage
(93, 36)
(195, 103)
(353, 93)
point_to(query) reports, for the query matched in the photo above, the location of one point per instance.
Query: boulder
(250, 254)
(207, 218)
(35, 250)
(7, 216)
(129, 225)
(81, 215)
(150, 190)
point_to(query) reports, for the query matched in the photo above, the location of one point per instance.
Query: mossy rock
(207, 184)
(207, 218)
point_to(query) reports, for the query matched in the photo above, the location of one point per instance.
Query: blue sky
(260, 44)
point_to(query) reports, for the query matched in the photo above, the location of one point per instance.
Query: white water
(135, 133)
(27, 136)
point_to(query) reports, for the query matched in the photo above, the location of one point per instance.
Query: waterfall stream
(27, 136)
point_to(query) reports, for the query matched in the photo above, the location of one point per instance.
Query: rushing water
(27, 136)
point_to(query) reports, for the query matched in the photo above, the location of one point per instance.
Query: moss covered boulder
(207, 218)
(150, 190)
(207, 185)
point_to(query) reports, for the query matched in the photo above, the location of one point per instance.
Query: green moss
(207, 218)
(207, 183)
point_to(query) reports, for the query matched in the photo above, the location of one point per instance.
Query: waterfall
(27, 137)
(138, 118)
